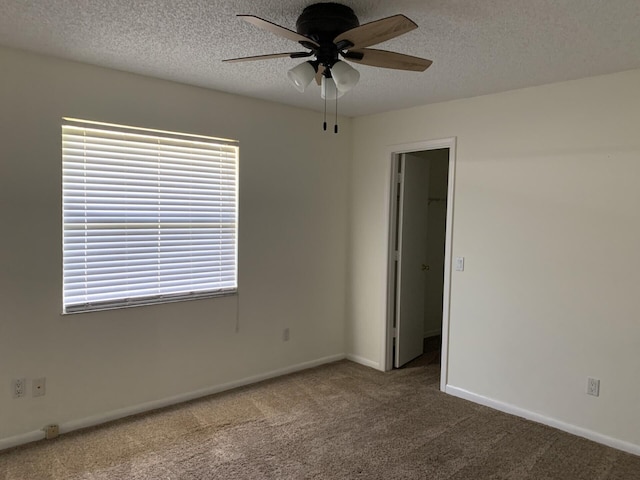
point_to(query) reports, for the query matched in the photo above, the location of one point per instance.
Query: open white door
(412, 263)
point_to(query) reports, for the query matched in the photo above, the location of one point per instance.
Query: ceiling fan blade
(376, 32)
(267, 57)
(319, 74)
(278, 30)
(386, 59)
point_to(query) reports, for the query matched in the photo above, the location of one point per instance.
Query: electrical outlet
(593, 387)
(51, 431)
(19, 387)
(285, 335)
(39, 387)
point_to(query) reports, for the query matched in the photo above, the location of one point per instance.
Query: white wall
(292, 248)
(546, 213)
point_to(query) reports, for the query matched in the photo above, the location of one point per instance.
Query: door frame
(393, 153)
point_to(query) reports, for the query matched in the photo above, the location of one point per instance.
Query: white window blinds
(148, 216)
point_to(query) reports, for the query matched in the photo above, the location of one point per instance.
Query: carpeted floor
(339, 421)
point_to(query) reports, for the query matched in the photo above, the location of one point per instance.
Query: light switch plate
(459, 264)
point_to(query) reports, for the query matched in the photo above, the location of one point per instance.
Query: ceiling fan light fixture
(344, 75)
(329, 90)
(302, 75)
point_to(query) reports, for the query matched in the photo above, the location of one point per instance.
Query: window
(148, 216)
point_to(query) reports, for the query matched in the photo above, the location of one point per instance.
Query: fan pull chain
(324, 125)
(335, 125)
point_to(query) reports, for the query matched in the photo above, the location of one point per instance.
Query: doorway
(421, 206)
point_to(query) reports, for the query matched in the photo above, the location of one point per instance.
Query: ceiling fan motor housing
(322, 22)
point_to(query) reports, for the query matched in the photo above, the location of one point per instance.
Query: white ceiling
(478, 46)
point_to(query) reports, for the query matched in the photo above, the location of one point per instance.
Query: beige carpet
(339, 421)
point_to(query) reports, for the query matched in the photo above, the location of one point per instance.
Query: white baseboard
(21, 439)
(539, 418)
(164, 402)
(363, 361)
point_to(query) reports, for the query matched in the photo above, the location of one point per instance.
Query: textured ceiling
(478, 46)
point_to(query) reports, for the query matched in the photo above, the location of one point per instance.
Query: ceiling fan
(330, 31)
